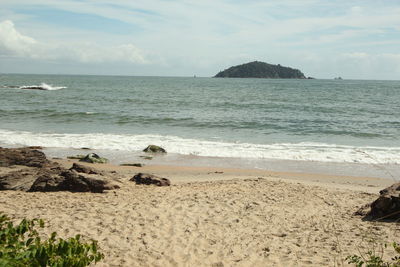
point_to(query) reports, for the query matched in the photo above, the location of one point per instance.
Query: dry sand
(215, 217)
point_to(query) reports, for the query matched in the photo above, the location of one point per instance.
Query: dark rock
(84, 169)
(43, 175)
(21, 180)
(35, 147)
(70, 181)
(154, 149)
(363, 210)
(146, 157)
(132, 164)
(53, 179)
(33, 87)
(22, 156)
(386, 207)
(93, 158)
(76, 157)
(47, 182)
(148, 179)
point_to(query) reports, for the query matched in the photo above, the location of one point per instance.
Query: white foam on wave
(282, 151)
(43, 86)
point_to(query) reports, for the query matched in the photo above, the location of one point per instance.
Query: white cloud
(92, 53)
(356, 55)
(130, 53)
(186, 36)
(13, 43)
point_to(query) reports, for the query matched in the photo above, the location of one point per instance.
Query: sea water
(276, 124)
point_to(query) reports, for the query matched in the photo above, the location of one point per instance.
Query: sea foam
(43, 86)
(305, 151)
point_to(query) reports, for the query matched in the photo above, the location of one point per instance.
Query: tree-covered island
(258, 69)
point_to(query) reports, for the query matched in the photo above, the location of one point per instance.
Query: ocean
(348, 127)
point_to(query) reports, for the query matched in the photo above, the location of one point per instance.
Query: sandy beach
(214, 217)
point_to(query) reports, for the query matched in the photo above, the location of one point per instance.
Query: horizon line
(191, 76)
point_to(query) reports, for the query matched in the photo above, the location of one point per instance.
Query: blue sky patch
(80, 21)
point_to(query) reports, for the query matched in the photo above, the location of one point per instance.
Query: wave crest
(304, 151)
(43, 86)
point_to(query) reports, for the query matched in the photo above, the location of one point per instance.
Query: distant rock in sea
(259, 69)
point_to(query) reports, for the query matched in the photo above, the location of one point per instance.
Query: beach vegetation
(374, 256)
(22, 245)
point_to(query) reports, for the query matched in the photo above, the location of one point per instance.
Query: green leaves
(373, 259)
(21, 245)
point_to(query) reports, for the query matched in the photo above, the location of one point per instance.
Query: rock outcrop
(149, 179)
(70, 180)
(93, 158)
(20, 180)
(43, 175)
(386, 207)
(33, 87)
(22, 156)
(154, 149)
(84, 169)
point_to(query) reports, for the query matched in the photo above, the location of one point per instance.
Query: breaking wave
(304, 151)
(42, 86)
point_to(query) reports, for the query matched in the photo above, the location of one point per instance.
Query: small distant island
(258, 69)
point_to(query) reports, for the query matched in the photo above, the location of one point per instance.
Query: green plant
(21, 245)
(374, 257)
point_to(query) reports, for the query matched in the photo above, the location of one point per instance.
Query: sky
(357, 39)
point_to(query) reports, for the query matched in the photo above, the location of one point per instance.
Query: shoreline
(319, 157)
(385, 171)
(193, 174)
(191, 168)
